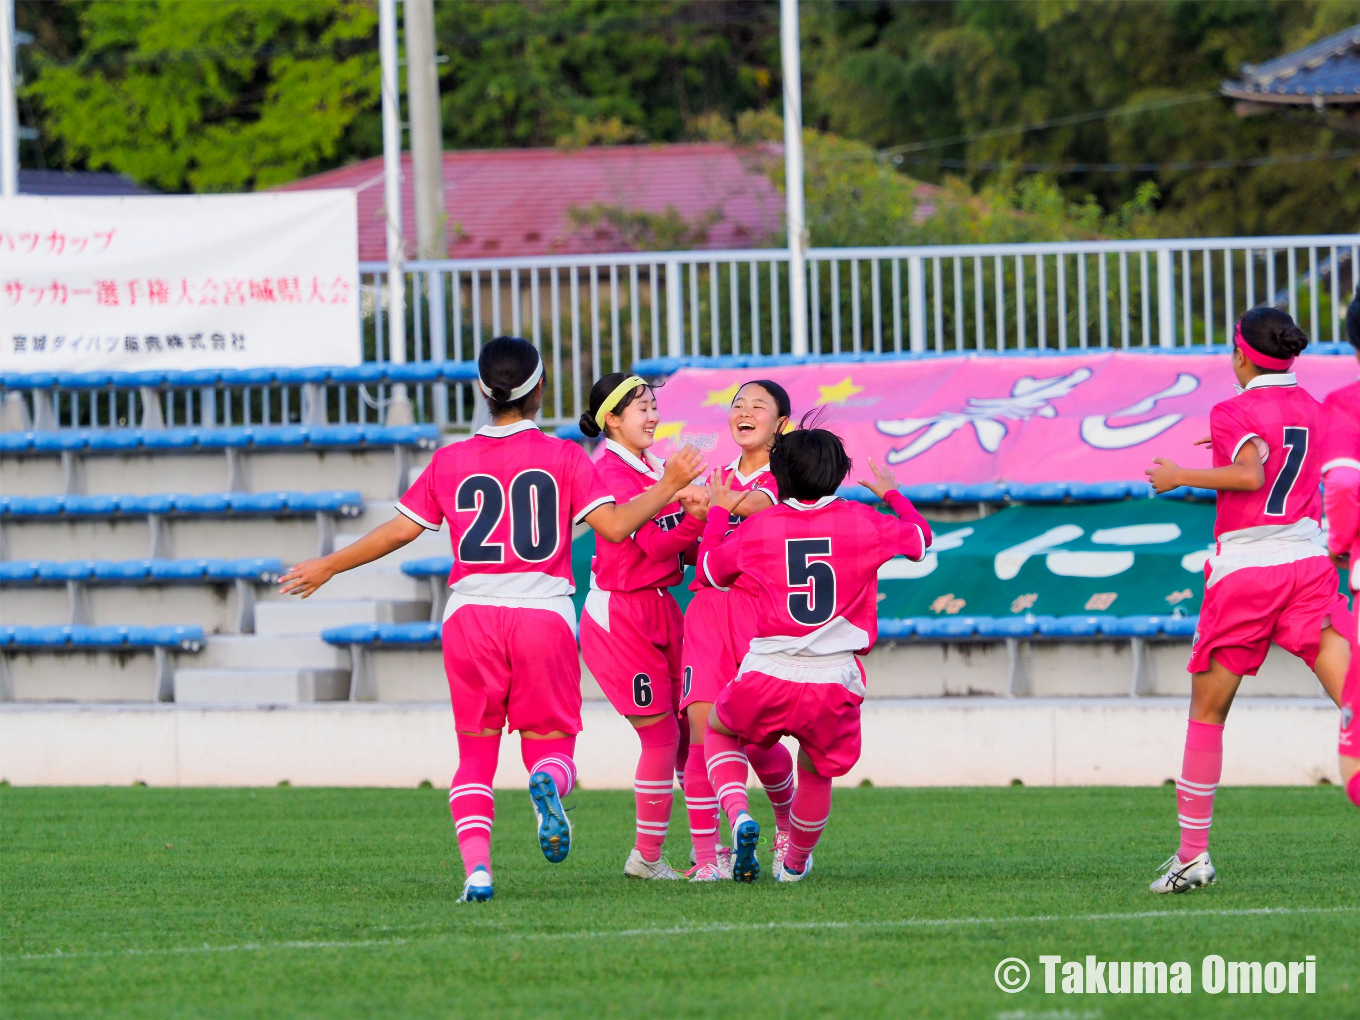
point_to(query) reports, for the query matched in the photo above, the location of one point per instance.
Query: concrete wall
(975, 741)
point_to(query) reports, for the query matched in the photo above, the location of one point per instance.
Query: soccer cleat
(554, 830)
(783, 874)
(707, 873)
(745, 839)
(725, 861)
(781, 848)
(477, 888)
(638, 866)
(1178, 877)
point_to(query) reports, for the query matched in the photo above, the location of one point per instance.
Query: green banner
(1124, 559)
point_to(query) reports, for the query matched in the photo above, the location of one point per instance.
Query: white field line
(714, 927)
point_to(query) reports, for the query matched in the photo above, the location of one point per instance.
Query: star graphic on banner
(838, 394)
(668, 430)
(721, 398)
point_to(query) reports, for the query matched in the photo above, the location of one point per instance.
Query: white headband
(523, 388)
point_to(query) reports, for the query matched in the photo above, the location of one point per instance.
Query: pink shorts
(631, 642)
(718, 631)
(1253, 606)
(515, 665)
(823, 718)
(1349, 741)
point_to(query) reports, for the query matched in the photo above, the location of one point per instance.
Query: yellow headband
(627, 386)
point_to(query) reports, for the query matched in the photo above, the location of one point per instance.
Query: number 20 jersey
(811, 570)
(1284, 422)
(510, 495)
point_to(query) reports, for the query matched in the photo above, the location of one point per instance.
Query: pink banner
(1085, 418)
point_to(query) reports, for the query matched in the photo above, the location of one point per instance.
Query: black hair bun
(588, 425)
(1292, 340)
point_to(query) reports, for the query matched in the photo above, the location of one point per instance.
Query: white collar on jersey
(501, 431)
(1271, 379)
(746, 479)
(651, 465)
(798, 504)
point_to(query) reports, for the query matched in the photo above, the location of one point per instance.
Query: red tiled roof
(516, 202)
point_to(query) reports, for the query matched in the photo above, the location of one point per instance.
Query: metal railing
(595, 314)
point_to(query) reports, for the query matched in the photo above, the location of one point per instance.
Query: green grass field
(340, 903)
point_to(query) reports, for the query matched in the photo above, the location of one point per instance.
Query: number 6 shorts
(631, 644)
(513, 664)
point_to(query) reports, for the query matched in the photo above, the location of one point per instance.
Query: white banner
(193, 281)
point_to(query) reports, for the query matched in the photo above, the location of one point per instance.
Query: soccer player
(510, 496)
(1268, 580)
(809, 566)
(717, 633)
(631, 629)
(1341, 481)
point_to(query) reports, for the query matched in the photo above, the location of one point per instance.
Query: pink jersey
(812, 571)
(758, 481)
(1341, 473)
(654, 557)
(510, 495)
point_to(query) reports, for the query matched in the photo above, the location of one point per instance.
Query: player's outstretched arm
(614, 523)
(309, 575)
(1245, 474)
(914, 534)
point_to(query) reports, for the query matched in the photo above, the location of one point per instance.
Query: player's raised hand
(694, 498)
(306, 577)
(884, 480)
(721, 493)
(682, 467)
(1163, 476)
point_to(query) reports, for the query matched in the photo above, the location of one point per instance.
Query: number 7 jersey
(510, 495)
(811, 570)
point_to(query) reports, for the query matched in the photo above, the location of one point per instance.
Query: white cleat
(638, 866)
(725, 861)
(1179, 877)
(783, 874)
(708, 873)
(477, 888)
(781, 848)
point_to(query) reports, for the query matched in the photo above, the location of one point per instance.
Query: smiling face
(635, 425)
(754, 418)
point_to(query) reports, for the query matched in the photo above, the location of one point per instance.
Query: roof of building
(77, 182)
(1325, 73)
(520, 202)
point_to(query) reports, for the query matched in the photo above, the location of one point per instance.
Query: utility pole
(793, 173)
(427, 150)
(399, 406)
(9, 112)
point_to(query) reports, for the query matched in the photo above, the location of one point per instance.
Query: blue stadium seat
(281, 435)
(336, 435)
(348, 502)
(1006, 626)
(408, 633)
(459, 371)
(433, 566)
(926, 495)
(945, 626)
(858, 493)
(15, 442)
(185, 638)
(571, 433)
(122, 570)
(890, 629)
(200, 377)
(1132, 626)
(1097, 492)
(169, 439)
(203, 503)
(64, 441)
(415, 372)
(42, 637)
(261, 376)
(83, 380)
(368, 372)
(1037, 492)
(18, 571)
(114, 440)
(34, 506)
(264, 569)
(1072, 626)
(232, 436)
(984, 492)
(257, 502)
(111, 636)
(1180, 626)
(153, 503)
(297, 375)
(91, 506)
(178, 570)
(351, 634)
(424, 436)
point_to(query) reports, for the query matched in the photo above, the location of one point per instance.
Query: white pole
(399, 408)
(9, 113)
(793, 173)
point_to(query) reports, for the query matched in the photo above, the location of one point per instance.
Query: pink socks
(553, 755)
(702, 805)
(653, 782)
(774, 766)
(1195, 788)
(807, 817)
(470, 799)
(727, 772)
(1353, 789)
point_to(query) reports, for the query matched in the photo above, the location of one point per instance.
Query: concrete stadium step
(259, 686)
(311, 617)
(260, 651)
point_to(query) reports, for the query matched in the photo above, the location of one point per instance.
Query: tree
(221, 96)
